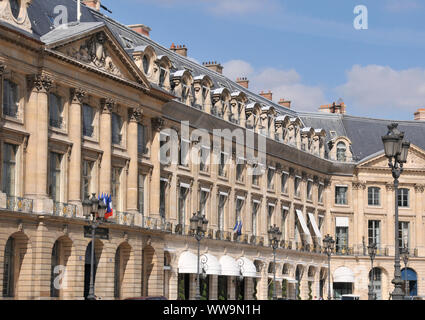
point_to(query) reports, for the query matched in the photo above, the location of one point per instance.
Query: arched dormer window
(237, 106)
(144, 57)
(162, 78)
(221, 103)
(306, 138)
(202, 92)
(281, 123)
(341, 152)
(339, 149)
(182, 86)
(253, 113)
(318, 147)
(294, 136)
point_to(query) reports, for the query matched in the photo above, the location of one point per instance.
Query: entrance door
(412, 280)
(87, 269)
(341, 288)
(376, 282)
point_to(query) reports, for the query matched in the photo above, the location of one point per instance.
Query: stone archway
(61, 252)
(151, 272)
(98, 248)
(122, 278)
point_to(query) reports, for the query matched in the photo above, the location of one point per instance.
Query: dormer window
(162, 75)
(146, 64)
(341, 150)
(15, 7)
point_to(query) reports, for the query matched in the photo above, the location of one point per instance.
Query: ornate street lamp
(198, 227)
(274, 238)
(328, 245)
(396, 151)
(405, 255)
(371, 249)
(94, 211)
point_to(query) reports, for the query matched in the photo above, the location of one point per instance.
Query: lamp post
(198, 226)
(94, 211)
(405, 254)
(396, 150)
(371, 249)
(274, 238)
(328, 245)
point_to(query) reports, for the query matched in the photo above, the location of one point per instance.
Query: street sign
(100, 233)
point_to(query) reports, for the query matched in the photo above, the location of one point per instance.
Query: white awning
(247, 267)
(185, 185)
(210, 264)
(229, 266)
(187, 263)
(303, 224)
(341, 221)
(343, 274)
(314, 225)
(205, 189)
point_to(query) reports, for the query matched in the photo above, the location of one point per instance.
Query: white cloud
(376, 89)
(285, 84)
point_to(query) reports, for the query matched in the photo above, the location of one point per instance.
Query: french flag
(107, 200)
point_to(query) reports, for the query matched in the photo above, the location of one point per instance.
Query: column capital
(77, 95)
(419, 187)
(157, 123)
(357, 185)
(40, 82)
(390, 187)
(135, 114)
(107, 105)
(2, 68)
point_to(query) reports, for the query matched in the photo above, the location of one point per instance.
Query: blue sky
(303, 50)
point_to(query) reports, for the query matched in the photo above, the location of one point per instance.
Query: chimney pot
(243, 81)
(420, 114)
(179, 49)
(268, 95)
(94, 4)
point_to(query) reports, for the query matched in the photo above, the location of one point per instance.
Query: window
(270, 178)
(55, 111)
(146, 64)
(184, 152)
(203, 201)
(9, 269)
(374, 232)
(341, 152)
(309, 189)
(297, 182)
(255, 176)
(162, 197)
(403, 234)
(182, 204)
(116, 128)
(162, 76)
(116, 187)
(87, 178)
(320, 193)
(205, 154)
(403, 197)
(88, 117)
(373, 197)
(284, 182)
(239, 205)
(141, 139)
(10, 98)
(255, 206)
(9, 169)
(284, 217)
(222, 166)
(55, 176)
(341, 195)
(221, 204)
(141, 193)
(270, 211)
(239, 170)
(341, 243)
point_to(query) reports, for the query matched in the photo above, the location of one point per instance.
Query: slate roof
(364, 133)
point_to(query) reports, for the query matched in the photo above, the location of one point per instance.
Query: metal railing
(64, 209)
(18, 204)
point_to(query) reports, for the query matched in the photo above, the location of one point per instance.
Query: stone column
(105, 143)
(418, 240)
(213, 287)
(157, 125)
(37, 153)
(76, 99)
(42, 255)
(173, 285)
(135, 116)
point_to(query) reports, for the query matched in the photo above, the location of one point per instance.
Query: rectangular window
(270, 211)
(205, 158)
(116, 187)
(255, 176)
(374, 232)
(341, 195)
(10, 98)
(184, 152)
(341, 243)
(285, 212)
(141, 139)
(222, 198)
(239, 170)
(55, 110)
(86, 178)
(116, 128)
(270, 178)
(309, 190)
(222, 166)
(297, 182)
(373, 196)
(88, 117)
(9, 169)
(239, 205)
(162, 76)
(55, 176)
(141, 193)
(284, 182)
(320, 193)
(255, 206)
(162, 197)
(403, 197)
(183, 192)
(164, 153)
(203, 197)
(403, 234)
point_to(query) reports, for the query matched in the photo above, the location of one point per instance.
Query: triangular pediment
(95, 47)
(415, 159)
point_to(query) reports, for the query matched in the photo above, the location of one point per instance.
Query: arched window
(341, 150)
(8, 270)
(375, 277)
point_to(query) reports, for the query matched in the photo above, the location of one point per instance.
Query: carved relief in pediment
(94, 52)
(15, 13)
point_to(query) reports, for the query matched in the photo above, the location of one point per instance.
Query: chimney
(420, 114)
(214, 66)
(267, 95)
(94, 4)
(336, 107)
(141, 28)
(285, 103)
(181, 50)
(242, 82)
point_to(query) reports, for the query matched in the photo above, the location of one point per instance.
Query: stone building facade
(86, 109)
